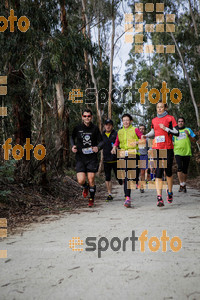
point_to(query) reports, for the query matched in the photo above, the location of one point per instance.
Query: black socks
(85, 185)
(92, 190)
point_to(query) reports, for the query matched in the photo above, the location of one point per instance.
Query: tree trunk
(84, 33)
(195, 25)
(43, 165)
(193, 19)
(94, 81)
(99, 43)
(100, 67)
(111, 64)
(21, 118)
(63, 18)
(188, 80)
(198, 75)
(65, 140)
(92, 70)
(97, 98)
(6, 4)
(21, 107)
(60, 99)
(61, 106)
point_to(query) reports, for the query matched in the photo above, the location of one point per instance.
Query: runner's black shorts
(183, 163)
(87, 165)
(108, 167)
(169, 157)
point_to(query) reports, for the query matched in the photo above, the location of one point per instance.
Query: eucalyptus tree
(179, 69)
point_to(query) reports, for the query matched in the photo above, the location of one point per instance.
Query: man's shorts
(87, 166)
(108, 168)
(145, 159)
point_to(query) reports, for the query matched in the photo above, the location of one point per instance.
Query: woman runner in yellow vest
(127, 140)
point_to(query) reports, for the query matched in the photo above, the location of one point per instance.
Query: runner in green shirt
(182, 151)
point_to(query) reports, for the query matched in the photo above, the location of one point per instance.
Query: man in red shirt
(163, 127)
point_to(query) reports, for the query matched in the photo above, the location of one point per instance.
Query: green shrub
(6, 176)
(7, 171)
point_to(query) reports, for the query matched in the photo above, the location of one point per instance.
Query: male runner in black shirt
(110, 160)
(86, 142)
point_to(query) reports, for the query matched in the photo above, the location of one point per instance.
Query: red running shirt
(163, 140)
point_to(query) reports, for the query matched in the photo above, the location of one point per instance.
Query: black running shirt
(85, 137)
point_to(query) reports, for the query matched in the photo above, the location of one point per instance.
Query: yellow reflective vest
(127, 137)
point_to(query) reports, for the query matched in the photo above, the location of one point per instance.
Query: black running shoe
(109, 198)
(120, 181)
(181, 188)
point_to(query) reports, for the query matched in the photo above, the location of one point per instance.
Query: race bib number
(130, 152)
(160, 139)
(182, 135)
(87, 150)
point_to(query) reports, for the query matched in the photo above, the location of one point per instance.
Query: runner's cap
(108, 121)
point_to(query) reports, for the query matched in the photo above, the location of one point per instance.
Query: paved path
(40, 264)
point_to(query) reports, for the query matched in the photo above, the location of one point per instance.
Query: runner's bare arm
(192, 139)
(113, 151)
(116, 144)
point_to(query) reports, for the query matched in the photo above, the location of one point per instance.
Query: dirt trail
(40, 264)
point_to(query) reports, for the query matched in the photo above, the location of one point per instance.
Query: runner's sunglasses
(86, 116)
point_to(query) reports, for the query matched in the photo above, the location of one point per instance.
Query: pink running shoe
(127, 202)
(169, 197)
(160, 201)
